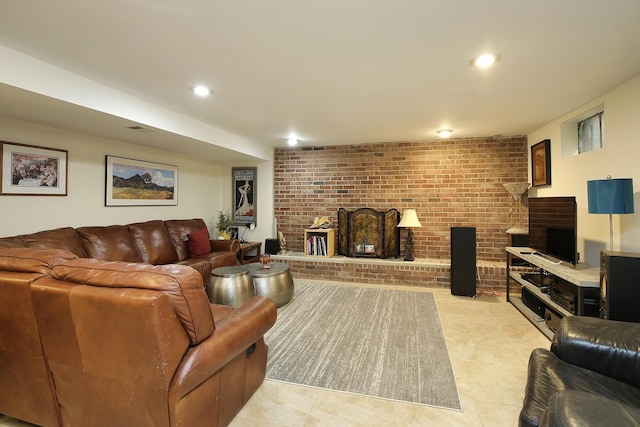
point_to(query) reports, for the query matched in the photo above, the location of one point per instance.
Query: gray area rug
(376, 342)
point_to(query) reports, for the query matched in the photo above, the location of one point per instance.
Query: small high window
(591, 133)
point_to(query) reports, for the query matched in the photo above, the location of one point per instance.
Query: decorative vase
(516, 209)
(225, 235)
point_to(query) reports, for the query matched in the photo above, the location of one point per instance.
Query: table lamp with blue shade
(610, 196)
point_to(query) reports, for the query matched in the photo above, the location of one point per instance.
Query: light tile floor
(489, 342)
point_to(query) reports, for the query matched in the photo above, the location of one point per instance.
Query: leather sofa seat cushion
(61, 238)
(27, 260)
(202, 266)
(109, 243)
(577, 408)
(153, 242)
(179, 229)
(548, 374)
(219, 259)
(183, 285)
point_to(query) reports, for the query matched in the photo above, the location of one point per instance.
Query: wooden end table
(250, 252)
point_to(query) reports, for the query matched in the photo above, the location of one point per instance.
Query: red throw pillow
(199, 242)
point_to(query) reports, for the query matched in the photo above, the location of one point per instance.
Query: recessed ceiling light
(292, 141)
(485, 60)
(201, 90)
(445, 133)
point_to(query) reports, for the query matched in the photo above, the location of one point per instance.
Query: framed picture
(138, 183)
(33, 171)
(244, 195)
(541, 163)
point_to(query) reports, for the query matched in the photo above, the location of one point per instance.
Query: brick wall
(454, 182)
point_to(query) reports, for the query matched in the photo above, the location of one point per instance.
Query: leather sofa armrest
(579, 408)
(609, 347)
(233, 335)
(232, 245)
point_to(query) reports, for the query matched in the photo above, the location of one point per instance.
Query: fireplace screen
(369, 233)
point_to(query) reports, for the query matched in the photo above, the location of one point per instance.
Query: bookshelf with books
(319, 242)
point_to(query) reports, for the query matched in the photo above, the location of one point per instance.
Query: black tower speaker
(271, 246)
(463, 261)
(619, 286)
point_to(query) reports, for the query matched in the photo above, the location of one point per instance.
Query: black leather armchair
(591, 376)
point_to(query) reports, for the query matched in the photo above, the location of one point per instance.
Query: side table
(275, 283)
(231, 286)
(250, 252)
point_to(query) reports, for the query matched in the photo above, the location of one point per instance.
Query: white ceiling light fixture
(485, 60)
(201, 90)
(444, 133)
(292, 141)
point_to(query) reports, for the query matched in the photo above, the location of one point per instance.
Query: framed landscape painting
(28, 170)
(244, 195)
(138, 183)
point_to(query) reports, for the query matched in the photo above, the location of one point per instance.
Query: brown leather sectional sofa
(86, 342)
(153, 242)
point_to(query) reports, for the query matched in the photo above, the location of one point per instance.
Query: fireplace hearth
(366, 232)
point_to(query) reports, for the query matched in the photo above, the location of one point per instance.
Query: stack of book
(317, 245)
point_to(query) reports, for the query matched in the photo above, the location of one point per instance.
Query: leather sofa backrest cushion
(11, 242)
(26, 390)
(110, 243)
(108, 335)
(179, 229)
(27, 260)
(182, 284)
(199, 242)
(153, 242)
(61, 238)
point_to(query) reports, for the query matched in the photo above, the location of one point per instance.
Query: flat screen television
(553, 227)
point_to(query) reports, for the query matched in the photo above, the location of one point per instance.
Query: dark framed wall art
(138, 183)
(245, 182)
(541, 163)
(33, 171)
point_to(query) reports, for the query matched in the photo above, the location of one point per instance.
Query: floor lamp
(610, 196)
(409, 220)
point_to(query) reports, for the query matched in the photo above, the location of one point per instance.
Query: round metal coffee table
(231, 286)
(275, 283)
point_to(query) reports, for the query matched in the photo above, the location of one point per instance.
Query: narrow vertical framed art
(541, 163)
(245, 182)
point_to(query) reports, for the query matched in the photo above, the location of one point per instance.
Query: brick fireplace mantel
(423, 272)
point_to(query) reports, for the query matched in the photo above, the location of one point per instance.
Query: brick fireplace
(450, 183)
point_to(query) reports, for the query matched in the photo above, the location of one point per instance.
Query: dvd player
(533, 278)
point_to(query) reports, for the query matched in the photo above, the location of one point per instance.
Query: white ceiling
(330, 72)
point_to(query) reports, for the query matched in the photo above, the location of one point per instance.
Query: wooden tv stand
(583, 281)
